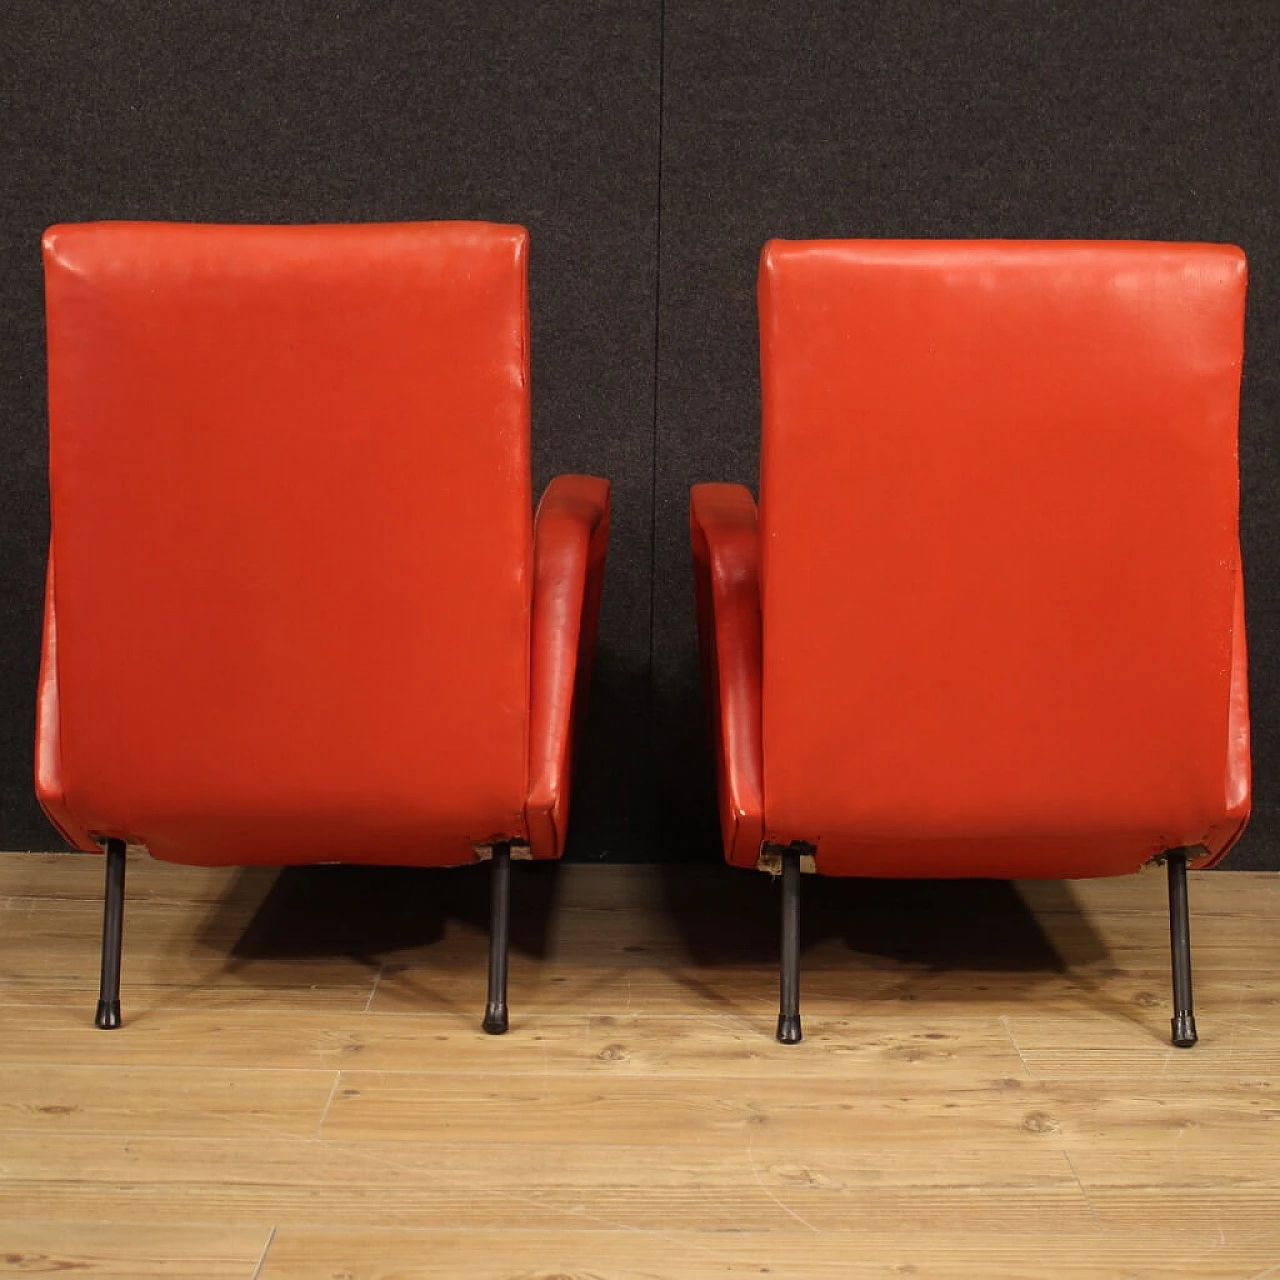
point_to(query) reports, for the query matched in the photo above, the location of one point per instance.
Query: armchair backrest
(998, 509)
(291, 536)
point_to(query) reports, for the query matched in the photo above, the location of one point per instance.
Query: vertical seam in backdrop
(657, 350)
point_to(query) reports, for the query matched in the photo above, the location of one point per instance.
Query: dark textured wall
(651, 148)
(288, 110)
(1131, 119)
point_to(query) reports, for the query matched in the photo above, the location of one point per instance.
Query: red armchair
(298, 610)
(990, 621)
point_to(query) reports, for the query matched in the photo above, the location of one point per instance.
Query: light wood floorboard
(301, 1089)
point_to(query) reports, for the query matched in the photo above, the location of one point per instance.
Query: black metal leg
(108, 1016)
(495, 1014)
(789, 1004)
(1184, 1018)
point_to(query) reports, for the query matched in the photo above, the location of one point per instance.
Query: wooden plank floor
(301, 1089)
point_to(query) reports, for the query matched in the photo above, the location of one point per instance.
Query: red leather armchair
(299, 609)
(989, 620)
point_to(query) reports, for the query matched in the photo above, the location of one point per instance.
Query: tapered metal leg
(1184, 1018)
(789, 1003)
(108, 1015)
(495, 1013)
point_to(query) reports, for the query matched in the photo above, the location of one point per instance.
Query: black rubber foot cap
(108, 1015)
(495, 1019)
(1184, 1030)
(789, 1028)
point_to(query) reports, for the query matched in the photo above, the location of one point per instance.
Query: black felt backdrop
(650, 147)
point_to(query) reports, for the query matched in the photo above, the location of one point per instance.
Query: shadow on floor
(720, 915)
(926, 936)
(895, 940)
(366, 912)
(732, 916)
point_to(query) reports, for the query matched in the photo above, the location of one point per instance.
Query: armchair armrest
(570, 536)
(1222, 839)
(726, 562)
(49, 787)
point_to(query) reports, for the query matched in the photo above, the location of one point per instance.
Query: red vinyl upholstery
(997, 571)
(297, 608)
(571, 533)
(726, 560)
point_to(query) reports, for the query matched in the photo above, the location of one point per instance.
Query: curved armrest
(49, 789)
(726, 563)
(1222, 839)
(570, 536)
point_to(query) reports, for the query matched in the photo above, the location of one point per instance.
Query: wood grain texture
(129, 1250)
(601, 1045)
(52, 1098)
(672, 1255)
(513, 1186)
(985, 1088)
